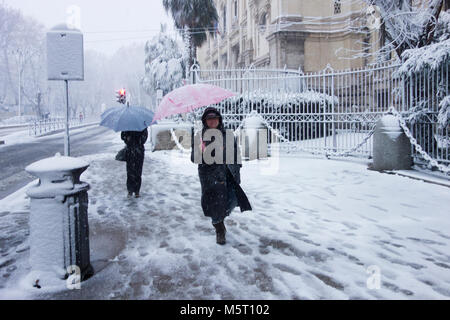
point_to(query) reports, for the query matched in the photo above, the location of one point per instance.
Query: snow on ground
(317, 227)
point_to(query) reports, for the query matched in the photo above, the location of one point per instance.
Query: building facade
(306, 34)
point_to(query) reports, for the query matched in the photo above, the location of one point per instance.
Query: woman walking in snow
(135, 141)
(219, 179)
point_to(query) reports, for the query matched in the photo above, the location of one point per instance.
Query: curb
(432, 180)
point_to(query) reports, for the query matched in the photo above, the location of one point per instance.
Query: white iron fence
(334, 112)
(41, 127)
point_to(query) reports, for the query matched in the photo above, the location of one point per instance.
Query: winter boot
(130, 194)
(220, 233)
(137, 195)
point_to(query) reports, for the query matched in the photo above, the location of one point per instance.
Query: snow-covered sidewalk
(317, 228)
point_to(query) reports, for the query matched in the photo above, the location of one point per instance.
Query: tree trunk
(191, 51)
(430, 28)
(427, 34)
(194, 54)
(8, 76)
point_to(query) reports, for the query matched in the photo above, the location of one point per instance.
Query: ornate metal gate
(333, 112)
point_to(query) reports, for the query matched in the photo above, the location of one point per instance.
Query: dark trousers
(135, 162)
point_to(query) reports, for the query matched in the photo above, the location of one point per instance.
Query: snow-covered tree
(409, 24)
(428, 95)
(23, 52)
(426, 89)
(400, 25)
(164, 64)
(22, 59)
(197, 17)
(10, 21)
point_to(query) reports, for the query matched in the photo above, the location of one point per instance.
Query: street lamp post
(66, 131)
(20, 85)
(19, 54)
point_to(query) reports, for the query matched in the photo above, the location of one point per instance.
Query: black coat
(135, 141)
(221, 191)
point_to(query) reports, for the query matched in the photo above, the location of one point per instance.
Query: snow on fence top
(286, 98)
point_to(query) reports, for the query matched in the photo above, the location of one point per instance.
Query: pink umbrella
(190, 97)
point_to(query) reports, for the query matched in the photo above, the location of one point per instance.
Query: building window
(337, 6)
(263, 23)
(224, 61)
(224, 17)
(235, 13)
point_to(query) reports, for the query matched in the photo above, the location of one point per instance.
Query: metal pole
(66, 134)
(20, 84)
(332, 111)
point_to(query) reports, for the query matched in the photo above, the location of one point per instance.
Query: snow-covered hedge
(282, 101)
(279, 102)
(310, 102)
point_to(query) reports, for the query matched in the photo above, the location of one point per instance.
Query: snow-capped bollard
(391, 147)
(254, 137)
(59, 229)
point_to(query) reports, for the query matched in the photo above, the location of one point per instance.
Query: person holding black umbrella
(220, 178)
(134, 156)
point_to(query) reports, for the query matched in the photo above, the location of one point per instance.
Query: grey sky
(107, 24)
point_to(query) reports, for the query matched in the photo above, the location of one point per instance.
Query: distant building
(279, 33)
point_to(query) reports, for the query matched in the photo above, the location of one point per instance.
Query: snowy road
(14, 158)
(7, 131)
(317, 227)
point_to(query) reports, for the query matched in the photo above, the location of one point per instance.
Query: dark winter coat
(135, 141)
(221, 191)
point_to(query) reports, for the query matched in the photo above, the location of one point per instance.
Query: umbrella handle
(193, 128)
(195, 118)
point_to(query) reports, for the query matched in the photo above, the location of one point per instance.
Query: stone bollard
(254, 138)
(59, 229)
(391, 147)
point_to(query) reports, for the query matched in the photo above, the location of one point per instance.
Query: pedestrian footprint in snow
(134, 156)
(217, 154)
